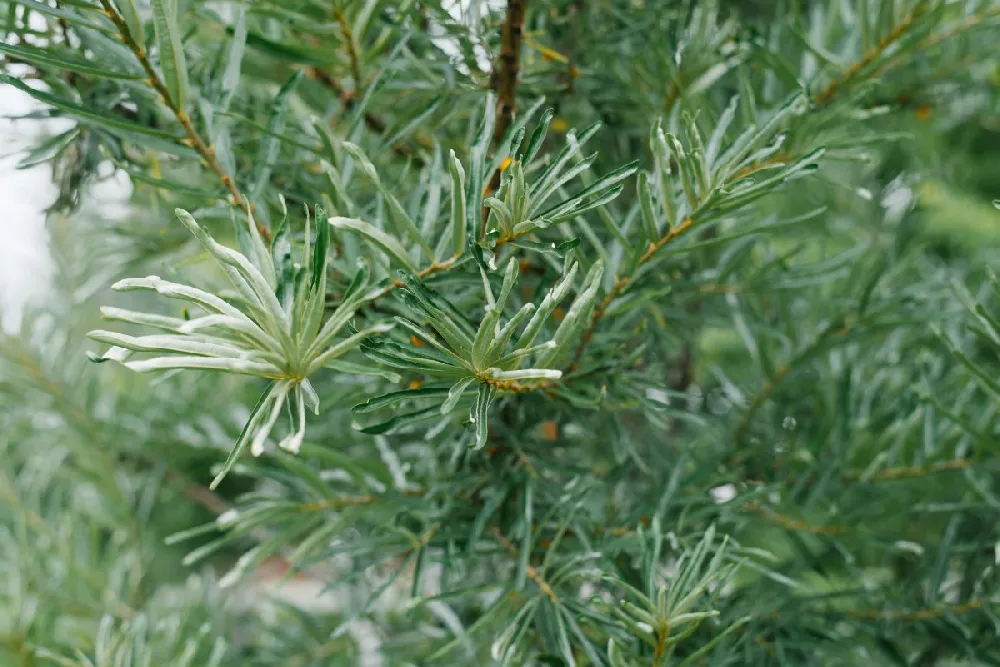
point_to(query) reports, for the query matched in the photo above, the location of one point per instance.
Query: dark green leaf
(94, 117)
(52, 57)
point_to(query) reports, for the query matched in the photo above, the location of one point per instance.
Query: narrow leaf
(99, 118)
(133, 20)
(386, 243)
(480, 413)
(231, 75)
(168, 41)
(241, 442)
(392, 398)
(53, 57)
(397, 212)
(458, 204)
(270, 145)
(455, 394)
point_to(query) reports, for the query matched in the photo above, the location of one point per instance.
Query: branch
(436, 267)
(885, 475)
(352, 53)
(201, 495)
(530, 570)
(968, 23)
(673, 94)
(515, 386)
(622, 284)
(206, 151)
(824, 97)
(782, 373)
(864, 476)
(909, 472)
(792, 524)
(353, 501)
(916, 614)
(349, 100)
(504, 81)
(834, 88)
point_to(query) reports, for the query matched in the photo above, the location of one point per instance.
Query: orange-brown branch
(350, 100)
(835, 87)
(531, 571)
(206, 151)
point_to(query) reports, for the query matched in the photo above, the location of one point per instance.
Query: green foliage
(715, 270)
(282, 337)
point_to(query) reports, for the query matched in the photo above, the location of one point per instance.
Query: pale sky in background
(24, 261)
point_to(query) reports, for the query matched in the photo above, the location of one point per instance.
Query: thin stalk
(194, 140)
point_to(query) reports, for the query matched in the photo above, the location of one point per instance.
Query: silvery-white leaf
(163, 343)
(177, 291)
(214, 249)
(524, 374)
(207, 363)
(278, 400)
(293, 442)
(235, 324)
(549, 303)
(310, 396)
(146, 319)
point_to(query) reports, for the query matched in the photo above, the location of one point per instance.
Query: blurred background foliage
(807, 374)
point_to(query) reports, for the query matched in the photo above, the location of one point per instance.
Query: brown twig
(823, 97)
(621, 284)
(599, 313)
(903, 615)
(834, 88)
(353, 501)
(374, 123)
(352, 52)
(505, 83)
(885, 475)
(673, 94)
(782, 373)
(347, 98)
(682, 368)
(790, 523)
(749, 170)
(681, 372)
(436, 267)
(503, 80)
(514, 386)
(909, 472)
(968, 23)
(206, 151)
(865, 477)
(915, 614)
(200, 494)
(531, 570)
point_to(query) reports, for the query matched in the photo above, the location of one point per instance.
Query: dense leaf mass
(619, 332)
